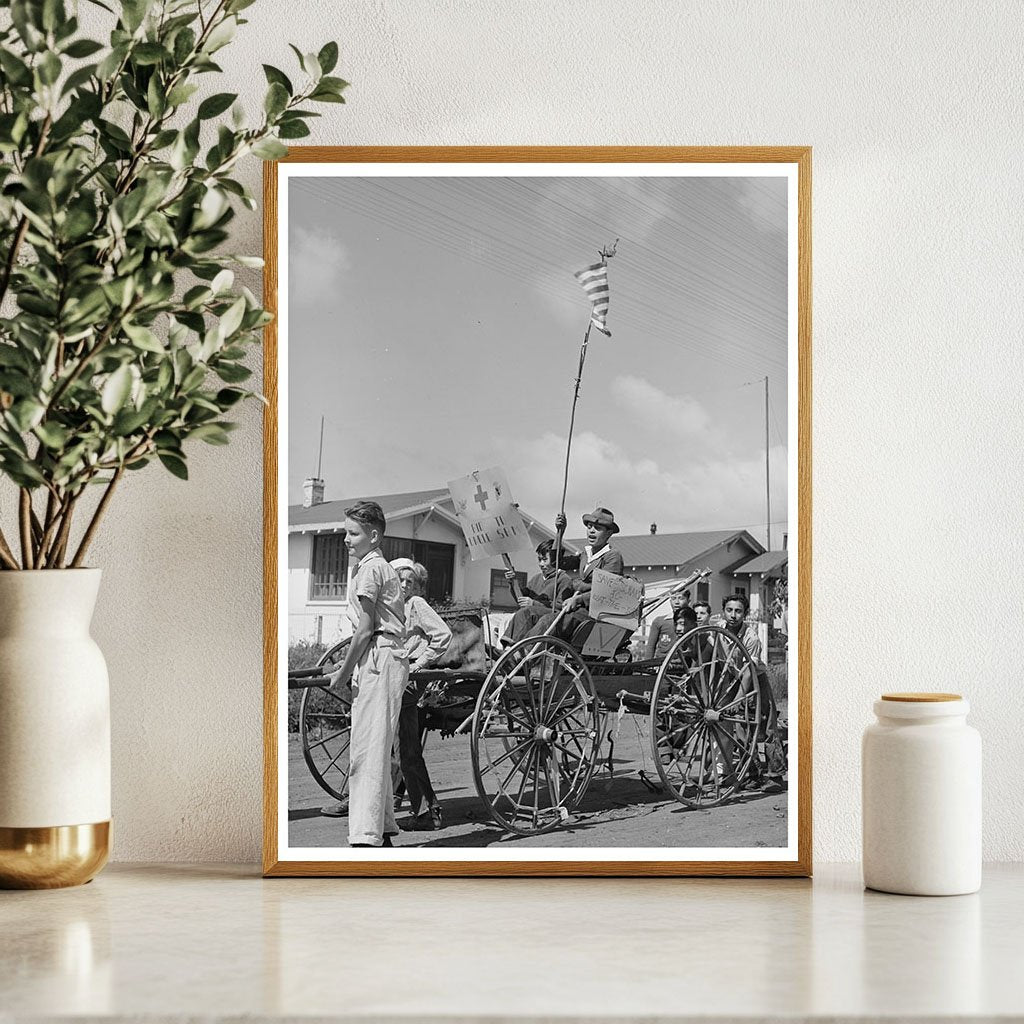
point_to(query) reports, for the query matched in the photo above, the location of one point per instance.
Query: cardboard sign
(615, 599)
(489, 518)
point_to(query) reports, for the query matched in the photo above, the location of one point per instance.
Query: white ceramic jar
(921, 778)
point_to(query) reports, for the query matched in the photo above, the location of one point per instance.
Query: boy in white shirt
(377, 664)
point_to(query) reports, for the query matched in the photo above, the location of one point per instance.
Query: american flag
(594, 280)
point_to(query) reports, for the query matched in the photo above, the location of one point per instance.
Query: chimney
(654, 529)
(312, 492)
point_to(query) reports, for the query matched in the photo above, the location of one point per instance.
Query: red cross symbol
(481, 497)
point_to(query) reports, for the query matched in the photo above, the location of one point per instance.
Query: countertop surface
(177, 942)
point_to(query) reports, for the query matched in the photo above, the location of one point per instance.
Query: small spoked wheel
(536, 734)
(705, 714)
(325, 726)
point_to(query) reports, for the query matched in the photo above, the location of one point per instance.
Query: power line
(629, 313)
(657, 270)
(433, 223)
(515, 257)
(662, 257)
(713, 243)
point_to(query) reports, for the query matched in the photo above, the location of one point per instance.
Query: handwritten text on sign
(489, 519)
(615, 598)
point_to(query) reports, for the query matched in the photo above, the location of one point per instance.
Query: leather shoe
(429, 821)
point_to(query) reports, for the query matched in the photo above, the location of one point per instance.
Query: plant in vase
(122, 338)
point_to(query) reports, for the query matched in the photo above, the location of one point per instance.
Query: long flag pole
(572, 415)
(767, 480)
(594, 281)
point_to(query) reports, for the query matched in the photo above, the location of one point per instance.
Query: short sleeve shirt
(752, 641)
(378, 581)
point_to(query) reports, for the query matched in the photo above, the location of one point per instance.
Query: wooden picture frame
(282, 858)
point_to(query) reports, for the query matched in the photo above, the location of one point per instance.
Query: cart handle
(305, 673)
(694, 577)
(303, 679)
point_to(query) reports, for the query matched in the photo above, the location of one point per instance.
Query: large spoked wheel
(536, 734)
(325, 725)
(705, 711)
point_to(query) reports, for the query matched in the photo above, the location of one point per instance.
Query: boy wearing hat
(601, 526)
(427, 640)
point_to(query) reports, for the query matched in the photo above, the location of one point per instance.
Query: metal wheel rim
(535, 736)
(705, 716)
(323, 760)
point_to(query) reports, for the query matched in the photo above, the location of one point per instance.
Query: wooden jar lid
(921, 698)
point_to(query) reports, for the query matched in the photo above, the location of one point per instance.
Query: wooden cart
(539, 716)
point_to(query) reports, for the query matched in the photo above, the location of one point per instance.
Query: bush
(302, 654)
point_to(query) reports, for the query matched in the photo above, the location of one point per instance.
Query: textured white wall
(914, 113)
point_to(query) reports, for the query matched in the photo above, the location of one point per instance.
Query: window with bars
(329, 572)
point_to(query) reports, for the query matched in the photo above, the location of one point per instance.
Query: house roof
(767, 562)
(392, 504)
(671, 548)
(329, 515)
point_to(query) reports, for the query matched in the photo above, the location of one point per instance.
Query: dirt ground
(617, 811)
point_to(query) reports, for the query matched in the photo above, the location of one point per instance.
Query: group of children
(565, 587)
(664, 631)
(395, 632)
(555, 589)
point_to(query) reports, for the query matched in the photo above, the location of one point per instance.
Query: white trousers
(380, 680)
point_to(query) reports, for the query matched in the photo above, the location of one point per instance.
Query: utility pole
(320, 454)
(767, 479)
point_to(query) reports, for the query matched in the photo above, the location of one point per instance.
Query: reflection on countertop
(180, 941)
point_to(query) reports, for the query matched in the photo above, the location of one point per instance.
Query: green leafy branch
(124, 335)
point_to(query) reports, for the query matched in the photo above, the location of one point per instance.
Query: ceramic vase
(54, 731)
(921, 775)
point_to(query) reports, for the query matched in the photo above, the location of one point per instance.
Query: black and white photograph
(537, 526)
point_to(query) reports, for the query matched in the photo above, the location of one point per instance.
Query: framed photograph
(538, 511)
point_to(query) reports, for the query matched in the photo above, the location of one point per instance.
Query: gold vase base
(53, 857)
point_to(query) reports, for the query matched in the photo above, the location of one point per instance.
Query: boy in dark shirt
(663, 630)
(544, 592)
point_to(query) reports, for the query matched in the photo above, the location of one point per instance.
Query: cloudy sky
(435, 323)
